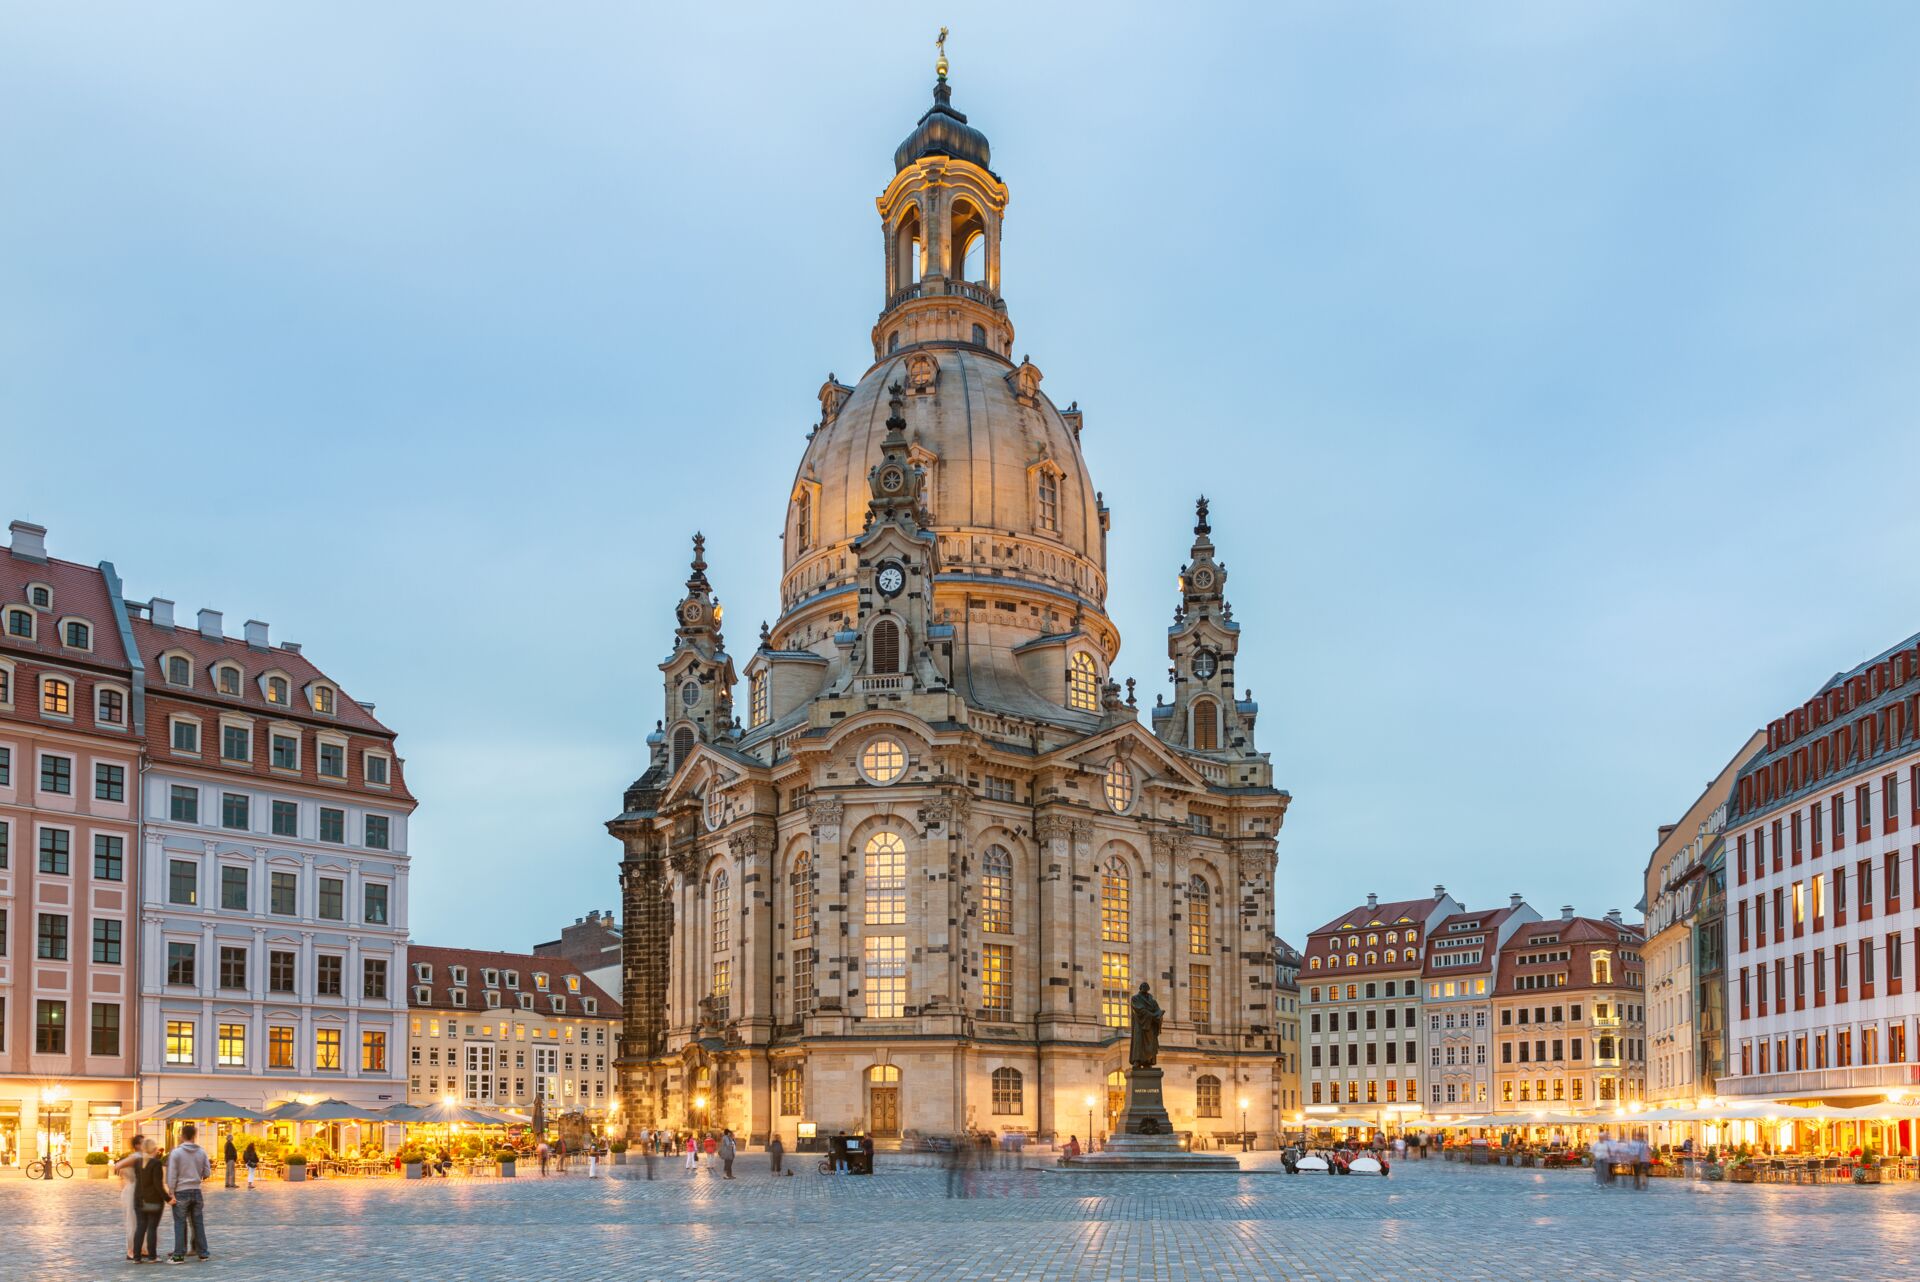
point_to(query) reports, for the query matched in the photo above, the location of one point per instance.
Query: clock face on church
(690, 612)
(890, 579)
(1204, 664)
(1202, 579)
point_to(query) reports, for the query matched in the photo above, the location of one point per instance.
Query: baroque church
(913, 887)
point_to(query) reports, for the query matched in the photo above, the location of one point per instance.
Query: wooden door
(886, 1110)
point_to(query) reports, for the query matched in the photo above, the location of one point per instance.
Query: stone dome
(982, 450)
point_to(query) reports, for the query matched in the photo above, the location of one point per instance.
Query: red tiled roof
(154, 641)
(1490, 922)
(79, 591)
(1397, 916)
(477, 961)
(1578, 937)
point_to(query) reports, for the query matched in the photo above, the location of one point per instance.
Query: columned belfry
(918, 884)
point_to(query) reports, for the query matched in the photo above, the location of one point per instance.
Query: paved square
(1431, 1220)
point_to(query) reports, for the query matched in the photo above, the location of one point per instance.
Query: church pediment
(1131, 740)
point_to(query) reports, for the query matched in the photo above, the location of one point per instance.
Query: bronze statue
(1144, 1049)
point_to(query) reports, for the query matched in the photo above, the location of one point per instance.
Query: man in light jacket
(187, 1166)
(727, 1151)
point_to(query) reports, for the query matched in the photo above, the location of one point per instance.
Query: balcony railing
(1815, 1080)
(887, 683)
(940, 288)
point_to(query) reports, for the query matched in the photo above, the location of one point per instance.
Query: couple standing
(153, 1183)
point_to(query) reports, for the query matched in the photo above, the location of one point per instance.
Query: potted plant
(413, 1162)
(505, 1157)
(296, 1165)
(97, 1164)
(1742, 1170)
(1866, 1169)
(619, 1150)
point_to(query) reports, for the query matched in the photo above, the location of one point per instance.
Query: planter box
(506, 1170)
(619, 1159)
(1743, 1174)
(97, 1172)
(1866, 1175)
(416, 1170)
(1713, 1171)
(296, 1171)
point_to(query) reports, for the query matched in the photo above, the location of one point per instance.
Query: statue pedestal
(1145, 1141)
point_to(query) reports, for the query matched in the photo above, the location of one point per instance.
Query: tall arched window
(757, 705)
(682, 744)
(1199, 916)
(1206, 1096)
(884, 647)
(968, 242)
(1116, 928)
(886, 877)
(1206, 726)
(1046, 495)
(802, 521)
(1083, 683)
(996, 891)
(800, 930)
(1008, 1092)
(720, 936)
(911, 262)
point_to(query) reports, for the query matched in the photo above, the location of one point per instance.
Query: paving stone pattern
(1431, 1220)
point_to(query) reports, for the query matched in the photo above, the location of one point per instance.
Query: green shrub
(618, 1146)
(98, 1159)
(296, 1158)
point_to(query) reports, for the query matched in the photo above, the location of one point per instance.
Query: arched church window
(1206, 726)
(1083, 683)
(757, 700)
(1008, 1095)
(682, 744)
(886, 878)
(721, 894)
(1206, 1096)
(884, 647)
(996, 891)
(973, 263)
(980, 335)
(1117, 784)
(893, 342)
(722, 985)
(802, 521)
(1199, 916)
(716, 804)
(911, 264)
(800, 928)
(1046, 500)
(1116, 903)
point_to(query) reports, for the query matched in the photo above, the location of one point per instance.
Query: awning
(326, 1110)
(195, 1110)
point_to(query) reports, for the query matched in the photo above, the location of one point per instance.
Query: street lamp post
(1246, 1144)
(1089, 1123)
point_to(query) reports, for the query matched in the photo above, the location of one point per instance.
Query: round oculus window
(883, 761)
(1204, 664)
(690, 693)
(1117, 784)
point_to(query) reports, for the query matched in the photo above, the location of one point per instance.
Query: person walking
(232, 1158)
(775, 1151)
(593, 1159)
(693, 1154)
(128, 1169)
(727, 1150)
(187, 1166)
(151, 1196)
(252, 1160)
(545, 1152)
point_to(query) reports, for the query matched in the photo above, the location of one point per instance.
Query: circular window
(883, 761)
(1118, 785)
(690, 693)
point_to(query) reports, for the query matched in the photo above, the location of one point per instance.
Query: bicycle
(45, 1169)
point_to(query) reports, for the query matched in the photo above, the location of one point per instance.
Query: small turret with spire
(698, 674)
(1202, 644)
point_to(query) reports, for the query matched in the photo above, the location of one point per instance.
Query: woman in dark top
(150, 1198)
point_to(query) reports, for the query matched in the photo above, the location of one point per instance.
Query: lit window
(1116, 978)
(233, 1045)
(277, 690)
(757, 700)
(1206, 1096)
(884, 976)
(1199, 916)
(229, 678)
(1046, 500)
(179, 1041)
(326, 1050)
(1118, 786)
(323, 699)
(1200, 993)
(56, 697)
(1008, 1092)
(1083, 683)
(716, 805)
(883, 761)
(801, 927)
(996, 891)
(886, 880)
(996, 981)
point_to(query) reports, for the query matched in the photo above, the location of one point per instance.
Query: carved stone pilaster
(1052, 826)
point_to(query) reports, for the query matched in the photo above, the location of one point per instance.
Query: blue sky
(1552, 369)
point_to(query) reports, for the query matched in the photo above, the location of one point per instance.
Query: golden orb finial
(940, 67)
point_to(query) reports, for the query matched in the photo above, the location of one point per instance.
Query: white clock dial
(890, 579)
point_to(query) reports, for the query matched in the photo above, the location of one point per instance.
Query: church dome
(943, 131)
(1007, 491)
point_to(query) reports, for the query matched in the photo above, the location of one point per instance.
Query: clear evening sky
(1552, 368)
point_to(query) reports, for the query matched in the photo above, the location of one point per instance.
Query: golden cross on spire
(940, 67)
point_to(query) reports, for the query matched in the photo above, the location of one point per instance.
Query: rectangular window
(996, 981)
(286, 752)
(280, 971)
(333, 899)
(233, 1046)
(327, 982)
(234, 810)
(186, 736)
(106, 1029)
(373, 1051)
(884, 976)
(183, 882)
(185, 804)
(286, 819)
(1116, 990)
(333, 761)
(53, 936)
(333, 824)
(326, 1050)
(377, 829)
(233, 888)
(376, 770)
(109, 858)
(376, 904)
(236, 743)
(56, 774)
(106, 941)
(180, 964)
(179, 1041)
(109, 782)
(1200, 991)
(792, 1092)
(280, 1045)
(50, 1028)
(282, 888)
(6, 765)
(55, 851)
(233, 967)
(373, 978)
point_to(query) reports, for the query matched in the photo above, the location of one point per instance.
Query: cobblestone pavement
(1431, 1220)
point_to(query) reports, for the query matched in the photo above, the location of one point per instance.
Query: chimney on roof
(29, 541)
(1613, 915)
(210, 625)
(365, 703)
(256, 634)
(1373, 902)
(162, 611)
(291, 647)
(1566, 912)
(1513, 901)
(1439, 892)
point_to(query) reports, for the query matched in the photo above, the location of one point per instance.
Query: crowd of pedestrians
(1634, 1153)
(152, 1182)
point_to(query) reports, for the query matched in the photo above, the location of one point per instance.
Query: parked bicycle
(46, 1168)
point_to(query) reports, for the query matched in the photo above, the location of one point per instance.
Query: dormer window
(493, 1001)
(513, 979)
(422, 995)
(1083, 683)
(526, 1001)
(78, 635)
(459, 997)
(373, 766)
(179, 670)
(109, 706)
(20, 623)
(540, 980)
(423, 971)
(459, 974)
(56, 697)
(590, 1004)
(277, 690)
(573, 983)
(757, 700)
(490, 977)
(559, 1004)
(227, 678)
(40, 596)
(323, 700)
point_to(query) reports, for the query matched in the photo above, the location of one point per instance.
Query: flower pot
(619, 1159)
(1743, 1174)
(296, 1171)
(416, 1170)
(1866, 1175)
(506, 1170)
